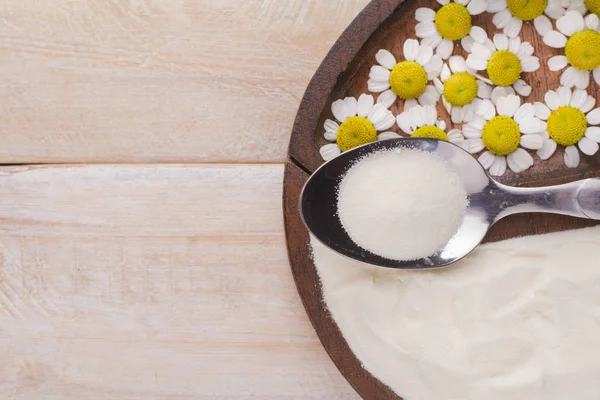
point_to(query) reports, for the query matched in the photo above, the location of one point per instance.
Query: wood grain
(158, 81)
(158, 282)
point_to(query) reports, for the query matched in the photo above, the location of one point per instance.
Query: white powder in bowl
(517, 320)
(401, 204)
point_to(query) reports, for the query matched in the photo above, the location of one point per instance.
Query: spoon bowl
(489, 201)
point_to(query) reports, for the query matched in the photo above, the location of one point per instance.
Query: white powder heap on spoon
(401, 204)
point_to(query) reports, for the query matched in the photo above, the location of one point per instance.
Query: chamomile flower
(406, 79)
(583, 6)
(581, 40)
(422, 122)
(462, 92)
(357, 122)
(506, 136)
(510, 14)
(569, 123)
(439, 29)
(504, 59)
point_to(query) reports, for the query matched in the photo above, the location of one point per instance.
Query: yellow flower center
(504, 68)
(527, 10)
(593, 6)
(583, 50)
(501, 135)
(408, 80)
(354, 132)
(460, 89)
(453, 21)
(567, 125)
(432, 132)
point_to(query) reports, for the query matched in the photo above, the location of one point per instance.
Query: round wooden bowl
(386, 24)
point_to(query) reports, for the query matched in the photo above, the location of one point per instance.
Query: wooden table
(141, 239)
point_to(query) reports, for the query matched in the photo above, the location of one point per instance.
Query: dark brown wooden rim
(302, 148)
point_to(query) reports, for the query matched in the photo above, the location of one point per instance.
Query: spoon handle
(579, 199)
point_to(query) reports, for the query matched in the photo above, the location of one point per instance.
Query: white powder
(516, 320)
(401, 204)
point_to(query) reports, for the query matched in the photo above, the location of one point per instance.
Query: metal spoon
(489, 201)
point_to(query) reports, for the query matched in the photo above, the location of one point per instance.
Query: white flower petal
(425, 14)
(475, 145)
(416, 115)
(555, 39)
(578, 98)
(513, 28)
(519, 160)
(443, 2)
(532, 126)
(329, 151)
(514, 44)
(547, 150)
(446, 73)
(424, 55)
(468, 113)
(589, 103)
(410, 103)
(405, 123)
(498, 168)
(439, 86)
(411, 49)
(500, 91)
(502, 19)
(487, 159)
(457, 64)
(476, 7)
(501, 41)
(484, 108)
(542, 111)
(593, 133)
(457, 115)
(386, 123)
(378, 86)
(433, 40)
(572, 157)
(379, 73)
(478, 34)
(588, 146)
(508, 105)
(386, 59)
(455, 133)
(365, 105)
(570, 23)
(592, 22)
(441, 124)
(339, 110)
(554, 11)
(522, 88)
(526, 110)
(429, 114)
(387, 98)
(593, 117)
(388, 135)
(495, 6)
(481, 51)
(377, 114)
(472, 131)
(582, 79)
(557, 63)
(525, 50)
(542, 24)
(552, 100)
(530, 64)
(484, 90)
(445, 49)
(351, 105)
(430, 96)
(425, 29)
(467, 43)
(564, 95)
(434, 67)
(331, 130)
(475, 62)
